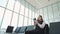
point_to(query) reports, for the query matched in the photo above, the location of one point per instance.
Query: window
(30, 13)
(47, 22)
(55, 10)
(1, 14)
(45, 13)
(14, 20)
(26, 11)
(50, 12)
(51, 20)
(59, 5)
(30, 22)
(59, 8)
(38, 12)
(57, 20)
(41, 12)
(36, 15)
(3, 3)
(20, 24)
(11, 4)
(6, 20)
(22, 9)
(25, 21)
(17, 6)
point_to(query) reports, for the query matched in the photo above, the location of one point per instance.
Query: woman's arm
(41, 25)
(35, 25)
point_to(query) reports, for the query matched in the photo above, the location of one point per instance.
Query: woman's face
(39, 18)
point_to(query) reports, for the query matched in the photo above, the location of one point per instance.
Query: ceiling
(41, 3)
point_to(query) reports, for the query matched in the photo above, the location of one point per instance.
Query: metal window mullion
(52, 12)
(23, 16)
(39, 11)
(30, 10)
(31, 14)
(34, 12)
(43, 12)
(18, 16)
(57, 6)
(4, 14)
(12, 13)
(48, 13)
(28, 15)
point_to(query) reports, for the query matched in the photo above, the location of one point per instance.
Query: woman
(40, 27)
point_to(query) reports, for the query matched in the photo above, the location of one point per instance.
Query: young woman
(40, 27)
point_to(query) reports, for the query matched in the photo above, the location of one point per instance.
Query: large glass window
(59, 6)
(20, 24)
(55, 10)
(41, 12)
(57, 20)
(17, 6)
(38, 12)
(12, 8)
(26, 11)
(3, 3)
(50, 12)
(51, 20)
(45, 14)
(36, 15)
(32, 14)
(6, 20)
(14, 20)
(22, 9)
(30, 22)
(25, 21)
(1, 14)
(11, 4)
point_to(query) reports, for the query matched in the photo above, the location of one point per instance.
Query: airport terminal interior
(19, 15)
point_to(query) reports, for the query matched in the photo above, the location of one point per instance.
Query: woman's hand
(35, 23)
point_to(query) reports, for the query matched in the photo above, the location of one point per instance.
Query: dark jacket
(45, 30)
(39, 30)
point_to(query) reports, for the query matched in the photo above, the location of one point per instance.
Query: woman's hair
(41, 18)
